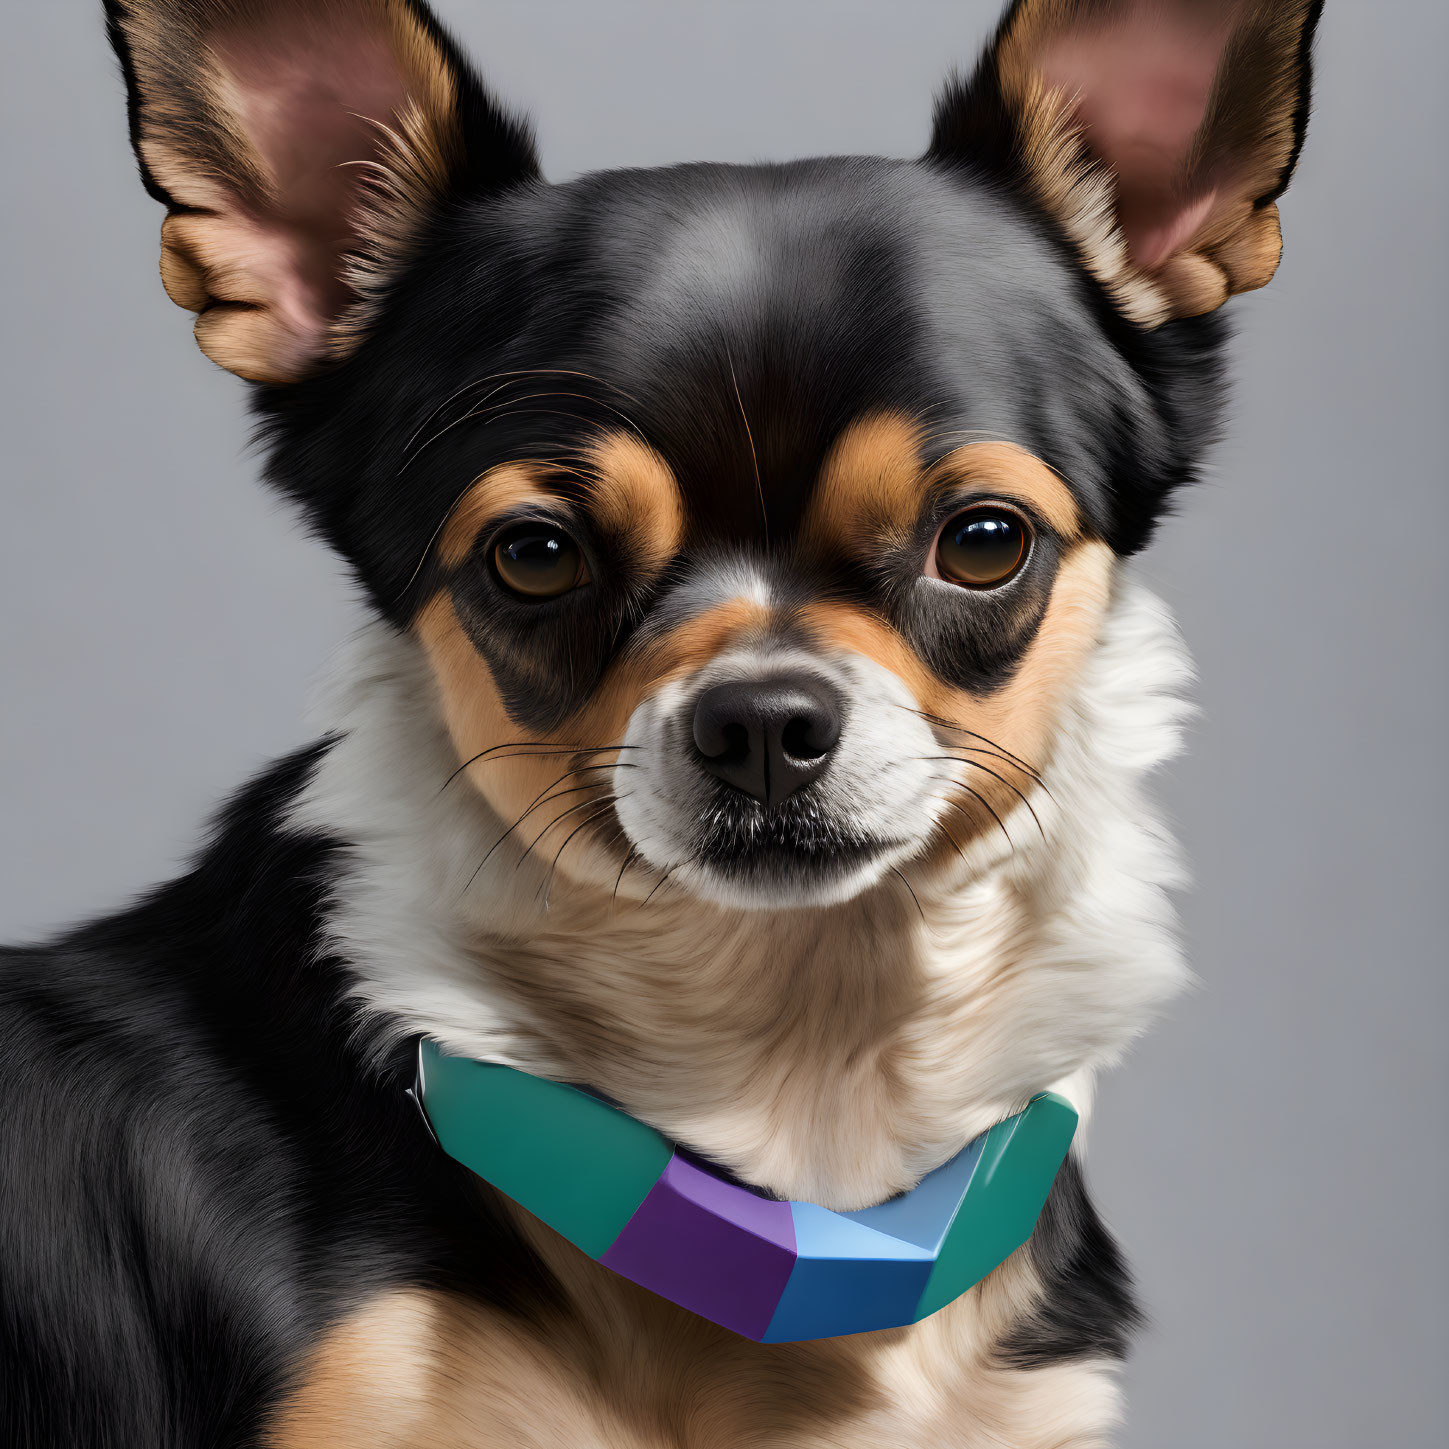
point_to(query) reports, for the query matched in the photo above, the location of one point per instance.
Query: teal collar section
(770, 1270)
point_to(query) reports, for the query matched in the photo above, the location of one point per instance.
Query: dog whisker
(539, 800)
(629, 855)
(1000, 749)
(604, 807)
(543, 798)
(985, 803)
(582, 805)
(533, 750)
(900, 875)
(977, 765)
(473, 412)
(509, 379)
(668, 871)
(955, 844)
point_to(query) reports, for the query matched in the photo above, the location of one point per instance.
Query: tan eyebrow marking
(1011, 472)
(633, 494)
(872, 485)
(510, 485)
(628, 488)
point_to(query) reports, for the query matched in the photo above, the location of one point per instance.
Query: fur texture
(709, 745)
(1038, 961)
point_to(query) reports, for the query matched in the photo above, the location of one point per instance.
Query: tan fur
(523, 770)
(632, 493)
(773, 1082)
(541, 774)
(232, 250)
(629, 490)
(1010, 472)
(872, 486)
(1245, 140)
(619, 1367)
(511, 486)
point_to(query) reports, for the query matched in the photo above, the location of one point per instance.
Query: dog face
(780, 585)
(756, 521)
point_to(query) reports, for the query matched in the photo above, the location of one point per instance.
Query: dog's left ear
(300, 147)
(1158, 133)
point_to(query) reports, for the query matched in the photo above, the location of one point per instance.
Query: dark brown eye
(538, 560)
(981, 547)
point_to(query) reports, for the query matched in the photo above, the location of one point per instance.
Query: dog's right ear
(300, 146)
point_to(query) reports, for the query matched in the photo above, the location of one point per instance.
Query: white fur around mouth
(834, 1049)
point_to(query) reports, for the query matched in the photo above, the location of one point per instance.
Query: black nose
(767, 737)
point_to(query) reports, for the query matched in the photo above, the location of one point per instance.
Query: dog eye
(537, 560)
(981, 547)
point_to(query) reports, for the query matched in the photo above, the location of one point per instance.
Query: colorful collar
(776, 1272)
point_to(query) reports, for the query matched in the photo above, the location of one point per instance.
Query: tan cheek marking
(634, 496)
(476, 719)
(1022, 714)
(1021, 717)
(510, 486)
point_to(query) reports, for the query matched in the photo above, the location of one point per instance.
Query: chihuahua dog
(751, 728)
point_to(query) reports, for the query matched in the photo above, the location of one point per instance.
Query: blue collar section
(773, 1271)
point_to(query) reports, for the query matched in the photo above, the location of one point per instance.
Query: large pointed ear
(1158, 133)
(299, 147)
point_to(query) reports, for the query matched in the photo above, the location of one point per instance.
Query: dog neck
(832, 1054)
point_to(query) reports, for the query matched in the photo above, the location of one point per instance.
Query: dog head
(755, 521)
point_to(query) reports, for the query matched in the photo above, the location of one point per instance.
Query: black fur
(930, 290)
(208, 1157)
(1088, 1309)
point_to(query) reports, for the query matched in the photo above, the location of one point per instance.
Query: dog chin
(781, 879)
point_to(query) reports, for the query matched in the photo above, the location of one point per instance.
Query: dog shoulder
(1087, 1308)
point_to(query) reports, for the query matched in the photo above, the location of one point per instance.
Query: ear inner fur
(299, 146)
(1210, 228)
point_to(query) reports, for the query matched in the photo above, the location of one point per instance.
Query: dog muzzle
(775, 1272)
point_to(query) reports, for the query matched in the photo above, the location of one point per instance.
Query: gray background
(1273, 1154)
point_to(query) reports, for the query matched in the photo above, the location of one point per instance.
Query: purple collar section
(711, 1246)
